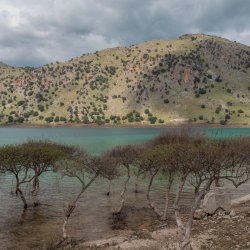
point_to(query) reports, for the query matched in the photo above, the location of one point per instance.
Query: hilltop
(195, 78)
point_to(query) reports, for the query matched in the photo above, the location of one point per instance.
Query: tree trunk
(124, 192)
(109, 190)
(65, 236)
(217, 183)
(150, 204)
(177, 206)
(170, 182)
(71, 207)
(136, 184)
(186, 240)
(19, 191)
(35, 191)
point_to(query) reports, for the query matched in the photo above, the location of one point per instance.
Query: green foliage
(40, 107)
(223, 122)
(218, 109)
(20, 103)
(152, 119)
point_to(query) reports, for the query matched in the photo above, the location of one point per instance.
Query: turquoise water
(97, 140)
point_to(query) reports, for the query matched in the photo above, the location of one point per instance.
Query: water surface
(97, 140)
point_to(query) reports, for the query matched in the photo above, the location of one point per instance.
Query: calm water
(90, 220)
(96, 140)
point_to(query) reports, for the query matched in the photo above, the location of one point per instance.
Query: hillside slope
(196, 78)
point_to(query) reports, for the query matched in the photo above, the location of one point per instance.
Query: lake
(33, 228)
(97, 140)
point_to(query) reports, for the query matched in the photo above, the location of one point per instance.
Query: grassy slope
(145, 75)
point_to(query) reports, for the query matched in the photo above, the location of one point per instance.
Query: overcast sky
(33, 33)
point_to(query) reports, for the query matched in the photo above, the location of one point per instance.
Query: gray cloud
(38, 32)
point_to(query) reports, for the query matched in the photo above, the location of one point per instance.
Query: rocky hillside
(196, 78)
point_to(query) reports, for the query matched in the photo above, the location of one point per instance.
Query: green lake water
(97, 140)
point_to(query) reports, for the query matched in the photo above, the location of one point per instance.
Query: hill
(195, 78)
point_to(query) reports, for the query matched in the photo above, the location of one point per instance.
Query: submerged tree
(28, 161)
(151, 162)
(85, 168)
(125, 156)
(12, 161)
(111, 164)
(40, 157)
(161, 157)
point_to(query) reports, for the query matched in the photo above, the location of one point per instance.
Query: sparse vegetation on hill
(196, 78)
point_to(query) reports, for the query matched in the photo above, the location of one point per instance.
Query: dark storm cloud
(38, 32)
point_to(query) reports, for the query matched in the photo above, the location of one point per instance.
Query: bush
(57, 119)
(218, 110)
(20, 119)
(152, 119)
(20, 103)
(223, 122)
(202, 91)
(40, 107)
(49, 119)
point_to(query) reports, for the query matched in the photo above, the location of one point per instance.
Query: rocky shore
(221, 231)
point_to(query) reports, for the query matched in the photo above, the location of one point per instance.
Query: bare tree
(111, 165)
(40, 157)
(200, 164)
(126, 156)
(12, 161)
(151, 163)
(28, 161)
(85, 169)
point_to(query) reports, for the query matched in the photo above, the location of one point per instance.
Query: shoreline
(81, 125)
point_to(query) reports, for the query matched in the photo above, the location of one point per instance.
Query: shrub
(218, 109)
(20, 103)
(202, 91)
(223, 122)
(152, 119)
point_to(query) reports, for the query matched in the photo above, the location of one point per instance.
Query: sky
(33, 33)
